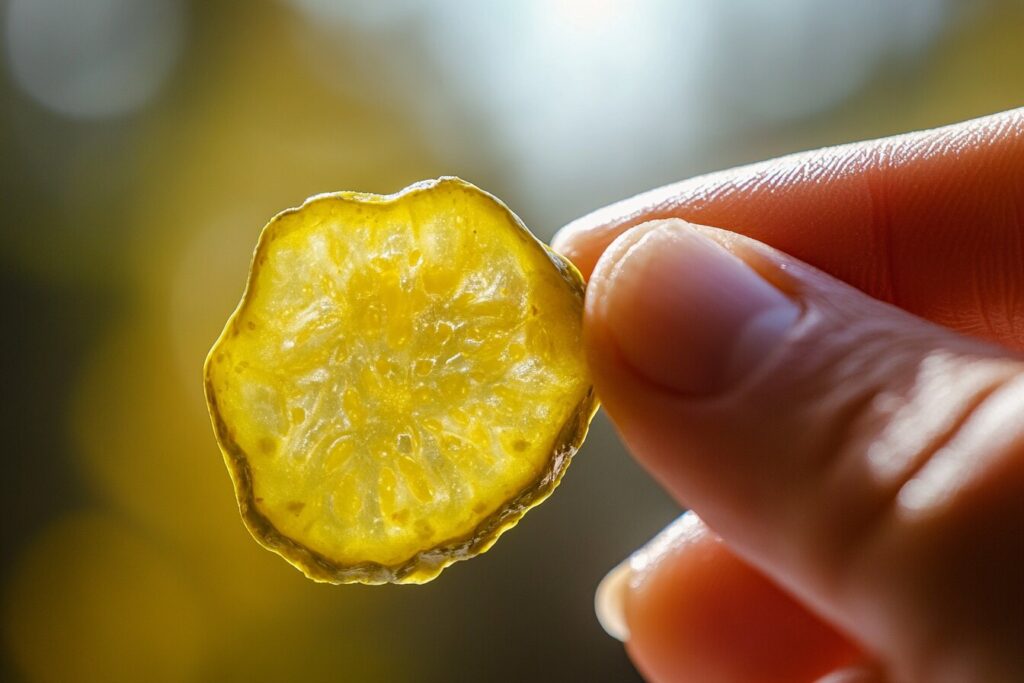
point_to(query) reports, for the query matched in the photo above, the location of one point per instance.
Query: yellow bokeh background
(132, 207)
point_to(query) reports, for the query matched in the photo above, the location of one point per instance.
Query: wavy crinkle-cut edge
(426, 564)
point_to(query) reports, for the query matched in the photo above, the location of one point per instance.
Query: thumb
(868, 461)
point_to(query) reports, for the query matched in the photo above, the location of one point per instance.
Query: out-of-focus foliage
(145, 142)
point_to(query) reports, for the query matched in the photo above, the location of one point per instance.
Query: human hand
(837, 389)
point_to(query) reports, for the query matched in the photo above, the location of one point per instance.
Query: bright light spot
(93, 58)
(595, 98)
(685, 530)
(587, 15)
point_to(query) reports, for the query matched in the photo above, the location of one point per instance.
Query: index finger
(932, 221)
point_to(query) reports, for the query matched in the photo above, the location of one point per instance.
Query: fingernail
(686, 313)
(610, 602)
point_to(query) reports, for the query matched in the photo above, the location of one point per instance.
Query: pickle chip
(403, 379)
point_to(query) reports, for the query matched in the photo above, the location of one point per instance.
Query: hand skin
(831, 378)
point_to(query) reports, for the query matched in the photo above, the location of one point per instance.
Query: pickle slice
(403, 379)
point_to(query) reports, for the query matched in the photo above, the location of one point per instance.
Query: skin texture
(833, 382)
(930, 222)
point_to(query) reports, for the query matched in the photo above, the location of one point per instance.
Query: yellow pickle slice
(403, 379)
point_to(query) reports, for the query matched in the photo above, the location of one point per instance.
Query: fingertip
(694, 611)
(610, 601)
(801, 460)
(686, 313)
(585, 240)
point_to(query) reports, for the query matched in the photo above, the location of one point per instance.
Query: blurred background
(144, 143)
